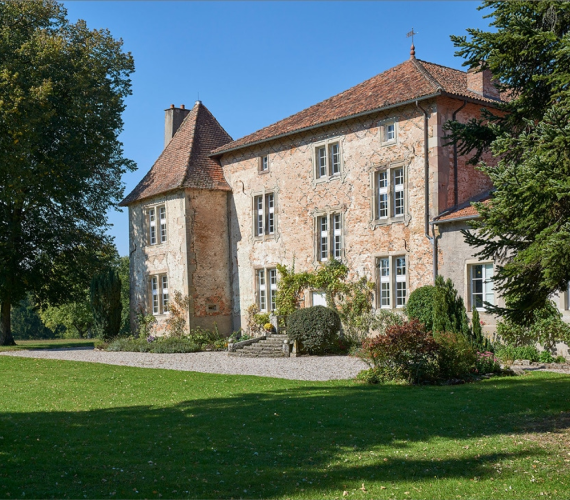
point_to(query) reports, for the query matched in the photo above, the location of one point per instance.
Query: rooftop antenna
(412, 48)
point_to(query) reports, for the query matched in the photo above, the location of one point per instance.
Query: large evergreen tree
(526, 226)
(62, 92)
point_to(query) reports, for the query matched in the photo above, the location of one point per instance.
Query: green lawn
(85, 430)
(48, 344)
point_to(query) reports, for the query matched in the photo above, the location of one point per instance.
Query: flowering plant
(487, 363)
(150, 339)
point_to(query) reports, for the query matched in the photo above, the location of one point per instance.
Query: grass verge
(23, 345)
(83, 430)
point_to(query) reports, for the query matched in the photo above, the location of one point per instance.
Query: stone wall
(208, 259)
(195, 256)
(300, 197)
(168, 258)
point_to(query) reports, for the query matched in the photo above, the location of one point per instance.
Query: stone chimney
(481, 82)
(172, 120)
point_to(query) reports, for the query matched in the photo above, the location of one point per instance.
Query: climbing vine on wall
(352, 300)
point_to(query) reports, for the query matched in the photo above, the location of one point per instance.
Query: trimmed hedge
(315, 327)
(420, 306)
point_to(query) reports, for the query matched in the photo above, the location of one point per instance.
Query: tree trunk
(5, 326)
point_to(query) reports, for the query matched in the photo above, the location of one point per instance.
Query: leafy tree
(62, 92)
(105, 294)
(75, 317)
(27, 323)
(526, 226)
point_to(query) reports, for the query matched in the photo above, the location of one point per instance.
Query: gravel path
(304, 368)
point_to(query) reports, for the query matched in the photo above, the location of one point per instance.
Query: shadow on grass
(307, 440)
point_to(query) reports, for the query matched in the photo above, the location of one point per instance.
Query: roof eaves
(324, 124)
(457, 219)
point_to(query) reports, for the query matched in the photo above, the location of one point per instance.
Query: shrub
(407, 352)
(105, 295)
(449, 313)
(376, 375)
(420, 306)
(178, 308)
(144, 324)
(527, 352)
(315, 327)
(508, 353)
(204, 337)
(252, 326)
(487, 363)
(261, 319)
(546, 357)
(545, 327)
(456, 357)
(478, 339)
(159, 345)
(560, 359)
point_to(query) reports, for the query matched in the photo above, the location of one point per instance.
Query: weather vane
(413, 48)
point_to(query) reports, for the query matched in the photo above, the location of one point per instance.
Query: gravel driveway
(304, 368)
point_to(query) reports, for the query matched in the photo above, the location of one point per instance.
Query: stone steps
(270, 347)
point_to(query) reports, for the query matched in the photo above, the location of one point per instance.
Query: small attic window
(264, 164)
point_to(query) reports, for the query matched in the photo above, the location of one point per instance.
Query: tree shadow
(305, 440)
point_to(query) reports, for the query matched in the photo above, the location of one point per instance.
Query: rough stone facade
(300, 197)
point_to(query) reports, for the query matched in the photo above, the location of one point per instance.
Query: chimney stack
(481, 82)
(172, 121)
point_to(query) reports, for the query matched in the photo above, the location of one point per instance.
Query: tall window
(159, 294)
(398, 184)
(266, 289)
(162, 212)
(482, 286)
(264, 164)
(152, 226)
(264, 214)
(392, 282)
(389, 194)
(327, 160)
(156, 225)
(329, 237)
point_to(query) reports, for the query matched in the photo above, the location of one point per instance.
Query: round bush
(315, 327)
(420, 306)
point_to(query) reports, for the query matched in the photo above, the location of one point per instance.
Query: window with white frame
(158, 294)
(481, 283)
(264, 214)
(389, 193)
(156, 217)
(266, 289)
(329, 236)
(392, 286)
(389, 132)
(327, 160)
(264, 163)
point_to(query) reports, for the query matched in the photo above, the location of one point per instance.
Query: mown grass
(23, 345)
(83, 430)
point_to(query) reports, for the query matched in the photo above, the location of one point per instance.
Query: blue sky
(253, 63)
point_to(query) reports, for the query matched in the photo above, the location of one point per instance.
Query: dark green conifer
(105, 293)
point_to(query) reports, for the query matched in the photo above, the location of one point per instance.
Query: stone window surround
(268, 289)
(374, 171)
(158, 276)
(146, 214)
(392, 257)
(328, 211)
(262, 193)
(260, 169)
(469, 263)
(327, 144)
(393, 120)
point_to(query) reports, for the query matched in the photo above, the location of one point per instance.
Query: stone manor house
(365, 177)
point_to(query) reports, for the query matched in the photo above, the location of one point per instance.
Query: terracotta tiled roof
(468, 211)
(406, 82)
(184, 162)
